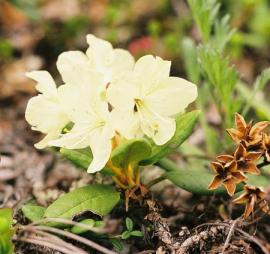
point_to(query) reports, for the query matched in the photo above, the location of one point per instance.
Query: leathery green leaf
(184, 127)
(6, 231)
(99, 199)
(79, 157)
(131, 152)
(79, 230)
(33, 212)
(195, 180)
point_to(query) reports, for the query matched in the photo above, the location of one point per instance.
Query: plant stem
(130, 176)
(263, 164)
(85, 241)
(42, 242)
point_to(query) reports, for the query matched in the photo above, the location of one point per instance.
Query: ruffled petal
(45, 83)
(160, 129)
(123, 61)
(74, 68)
(150, 71)
(45, 115)
(101, 55)
(172, 96)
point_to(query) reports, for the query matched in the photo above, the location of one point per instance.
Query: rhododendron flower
(45, 112)
(74, 66)
(146, 99)
(92, 123)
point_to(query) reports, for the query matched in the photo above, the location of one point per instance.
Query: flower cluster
(106, 94)
(252, 144)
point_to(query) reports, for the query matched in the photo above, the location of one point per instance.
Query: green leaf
(190, 60)
(261, 106)
(79, 230)
(33, 212)
(204, 13)
(195, 181)
(258, 87)
(99, 199)
(125, 235)
(131, 151)
(99, 223)
(6, 231)
(129, 224)
(184, 127)
(260, 180)
(192, 180)
(137, 233)
(79, 157)
(6, 213)
(117, 244)
(4, 225)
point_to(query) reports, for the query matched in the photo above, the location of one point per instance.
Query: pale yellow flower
(45, 112)
(146, 100)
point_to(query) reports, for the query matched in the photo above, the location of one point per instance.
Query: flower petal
(240, 152)
(236, 135)
(172, 96)
(258, 128)
(127, 123)
(150, 71)
(216, 182)
(240, 123)
(217, 166)
(46, 140)
(101, 147)
(251, 168)
(230, 186)
(242, 199)
(253, 156)
(123, 61)
(74, 67)
(77, 138)
(160, 129)
(239, 176)
(101, 55)
(225, 158)
(45, 83)
(250, 206)
(122, 92)
(45, 115)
